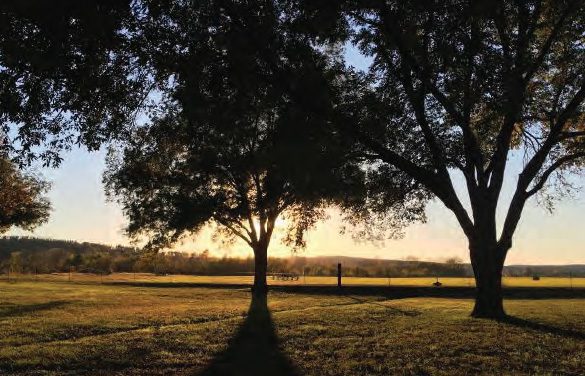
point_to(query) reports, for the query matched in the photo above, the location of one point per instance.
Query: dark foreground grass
(59, 328)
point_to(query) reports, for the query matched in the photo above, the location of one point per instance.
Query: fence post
(339, 275)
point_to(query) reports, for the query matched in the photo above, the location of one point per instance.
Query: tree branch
(545, 49)
(552, 168)
(535, 164)
(416, 100)
(474, 154)
(234, 230)
(429, 179)
(567, 135)
(517, 83)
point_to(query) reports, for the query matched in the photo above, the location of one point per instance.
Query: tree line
(34, 255)
(241, 114)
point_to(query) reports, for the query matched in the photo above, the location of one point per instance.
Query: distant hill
(385, 267)
(575, 270)
(9, 244)
(28, 255)
(47, 255)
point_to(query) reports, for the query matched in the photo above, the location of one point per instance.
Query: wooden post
(339, 275)
(69, 273)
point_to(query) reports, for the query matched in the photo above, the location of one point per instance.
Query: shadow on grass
(388, 292)
(11, 310)
(543, 328)
(255, 349)
(409, 313)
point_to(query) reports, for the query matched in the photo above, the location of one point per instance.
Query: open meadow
(261, 158)
(244, 280)
(210, 326)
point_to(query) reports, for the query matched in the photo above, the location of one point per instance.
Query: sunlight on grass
(309, 280)
(83, 327)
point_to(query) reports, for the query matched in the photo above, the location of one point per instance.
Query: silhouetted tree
(22, 200)
(455, 87)
(245, 136)
(67, 75)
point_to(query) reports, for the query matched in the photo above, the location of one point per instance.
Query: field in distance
(86, 327)
(559, 282)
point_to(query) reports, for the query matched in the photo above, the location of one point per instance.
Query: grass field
(309, 280)
(159, 326)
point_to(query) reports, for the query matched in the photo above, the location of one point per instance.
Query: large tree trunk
(487, 259)
(260, 286)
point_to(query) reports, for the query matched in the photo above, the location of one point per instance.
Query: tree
(22, 201)
(244, 138)
(92, 71)
(15, 262)
(454, 266)
(67, 76)
(454, 88)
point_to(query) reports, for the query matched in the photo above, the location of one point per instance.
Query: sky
(81, 212)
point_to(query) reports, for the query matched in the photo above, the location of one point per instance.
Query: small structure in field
(285, 276)
(437, 283)
(535, 278)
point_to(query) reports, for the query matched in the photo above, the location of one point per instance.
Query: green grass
(92, 328)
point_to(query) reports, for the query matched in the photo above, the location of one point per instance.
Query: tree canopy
(22, 200)
(67, 76)
(454, 88)
(217, 85)
(245, 135)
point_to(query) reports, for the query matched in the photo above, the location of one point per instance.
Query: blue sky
(82, 213)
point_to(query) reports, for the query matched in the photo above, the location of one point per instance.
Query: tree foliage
(22, 200)
(235, 142)
(248, 131)
(67, 75)
(457, 87)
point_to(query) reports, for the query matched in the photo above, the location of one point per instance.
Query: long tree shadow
(544, 328)
(409, 313)
(255, 349)
(10, 310)
(388, 292)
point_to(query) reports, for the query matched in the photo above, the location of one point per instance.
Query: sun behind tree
(245, 137)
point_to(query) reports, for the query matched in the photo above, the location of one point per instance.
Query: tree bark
(487, 259)
(260, 286)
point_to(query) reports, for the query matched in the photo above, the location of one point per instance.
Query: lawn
(309, 280)
(163, 327)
